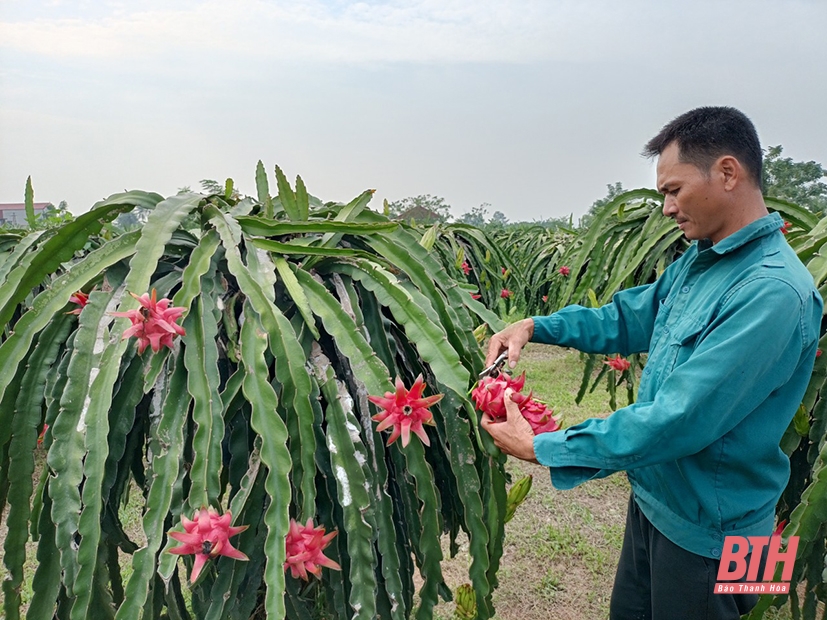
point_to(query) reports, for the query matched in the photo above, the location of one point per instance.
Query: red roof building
(14, 213)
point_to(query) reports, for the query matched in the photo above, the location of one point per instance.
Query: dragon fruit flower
(564, 271)
(475, 295)
(305, 544)
(618, 363)
(207, 536)
(153, 323)
(81, 299)
(466, 268)
(405, 411)
(505, 293)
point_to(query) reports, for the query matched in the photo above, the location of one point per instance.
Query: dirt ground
(560, 553)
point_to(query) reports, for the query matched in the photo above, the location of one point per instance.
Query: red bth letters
(736, 549)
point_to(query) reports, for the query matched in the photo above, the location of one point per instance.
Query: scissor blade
(495, 366)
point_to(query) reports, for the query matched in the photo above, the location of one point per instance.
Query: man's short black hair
(705, 134)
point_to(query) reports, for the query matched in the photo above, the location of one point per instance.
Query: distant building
(14, 213)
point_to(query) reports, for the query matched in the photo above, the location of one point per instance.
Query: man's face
(691, 197)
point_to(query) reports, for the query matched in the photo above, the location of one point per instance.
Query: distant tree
(211, 186)
(614, 190)
(476, 216)
(423, 208)
(797, 181)
(499, 219)
(132, 220)
(553, 223)
(52, 216)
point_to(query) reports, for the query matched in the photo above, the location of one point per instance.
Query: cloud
(419, 31)
(312, 30)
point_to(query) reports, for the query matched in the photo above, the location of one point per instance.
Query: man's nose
(670, 206)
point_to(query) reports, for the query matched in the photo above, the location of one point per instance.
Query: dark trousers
(658, 580)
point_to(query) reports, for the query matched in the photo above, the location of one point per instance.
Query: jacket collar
(754, 230)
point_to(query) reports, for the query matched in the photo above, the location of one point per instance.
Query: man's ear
(729, 170)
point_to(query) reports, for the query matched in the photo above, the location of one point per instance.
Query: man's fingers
(514, 416)
(511, 408)
(512, 339)
(495, 347)
(494, 429)
(513, 354)
(490, 426)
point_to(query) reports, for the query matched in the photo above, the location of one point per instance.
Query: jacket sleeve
(748, 351)
(622, 326)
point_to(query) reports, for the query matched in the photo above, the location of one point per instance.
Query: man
(731, 329)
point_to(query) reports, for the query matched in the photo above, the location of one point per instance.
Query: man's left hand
(513, 436)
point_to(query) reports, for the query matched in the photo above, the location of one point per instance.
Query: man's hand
(514, 436)
(512, 339)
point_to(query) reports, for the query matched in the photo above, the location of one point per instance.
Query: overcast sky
(531, 106)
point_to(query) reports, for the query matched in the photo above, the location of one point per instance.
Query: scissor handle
(495, 366)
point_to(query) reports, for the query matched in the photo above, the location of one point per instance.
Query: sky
(530, 106)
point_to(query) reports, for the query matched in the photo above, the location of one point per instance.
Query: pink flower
(545, 298)
(618, 363)
(505, 293)
(564, 271)
(504, 270)
(42, 434)
(475, 296)
(780, 528)
(489, 397)
(305, 544)
(207, 536)
(786, 227)
(81, 299)
(466, 268)
(405, 411)
(819, 352)
(153, 323)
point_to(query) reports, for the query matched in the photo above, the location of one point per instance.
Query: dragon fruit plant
(239, 361)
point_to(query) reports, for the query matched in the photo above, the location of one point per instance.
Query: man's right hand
(512, 339)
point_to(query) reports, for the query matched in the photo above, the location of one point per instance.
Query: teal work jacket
(731, 330)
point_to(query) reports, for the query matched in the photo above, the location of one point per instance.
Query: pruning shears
(494, 368)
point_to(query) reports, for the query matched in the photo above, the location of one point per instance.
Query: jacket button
(685, 289)
(716, 553)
